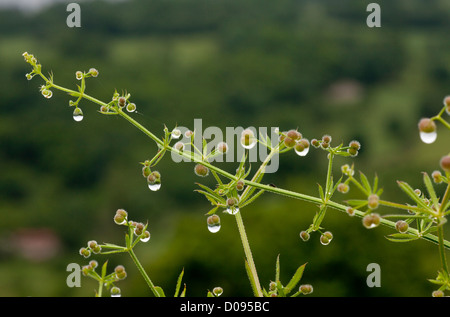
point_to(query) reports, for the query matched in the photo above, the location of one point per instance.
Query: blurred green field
(310, 65)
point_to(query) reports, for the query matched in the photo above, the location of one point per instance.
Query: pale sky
(35, 5)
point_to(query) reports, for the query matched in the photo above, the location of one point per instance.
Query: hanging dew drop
(77, 115)
(232, 210)
(214, 228)
(429, 137)
(302, 152)
(154, 187)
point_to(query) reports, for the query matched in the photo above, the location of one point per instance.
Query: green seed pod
(146, 171)
(92, 244)
(93, 264)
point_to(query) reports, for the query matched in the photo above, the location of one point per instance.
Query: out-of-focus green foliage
(306, 64)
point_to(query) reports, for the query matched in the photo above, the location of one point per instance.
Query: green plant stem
(276, 190)
(440, 231)
(143, 273)
(248, 253)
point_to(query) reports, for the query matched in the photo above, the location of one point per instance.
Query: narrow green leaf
(365, 182)
(295, 279)
(356, 202)
(375, 184)
(401, 237)
(411, 193)
(104, 266)
(160, 291)
(212, 211)
(322, 197)
(183, 293)
(251, 199)
(209, 294)
(265, 292)
(180, 278)
(430, 189)
(277, 269)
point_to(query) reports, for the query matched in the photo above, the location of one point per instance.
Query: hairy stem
(143, 273)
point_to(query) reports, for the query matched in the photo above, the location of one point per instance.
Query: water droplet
(77, 115)
(115, 295)
(232, 210)
(154, 187)
(145, 237)
(131, 107)
(303, 152)
(249, 145)
(428, 137)
(176, 133)
(214, 228)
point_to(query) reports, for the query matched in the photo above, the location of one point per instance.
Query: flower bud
(201, 170)
(445, 163)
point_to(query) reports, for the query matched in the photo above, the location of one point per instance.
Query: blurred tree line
(310, 65)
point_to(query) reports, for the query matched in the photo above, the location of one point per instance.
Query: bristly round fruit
(445, 163)
(201, 170)
(427, 125)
